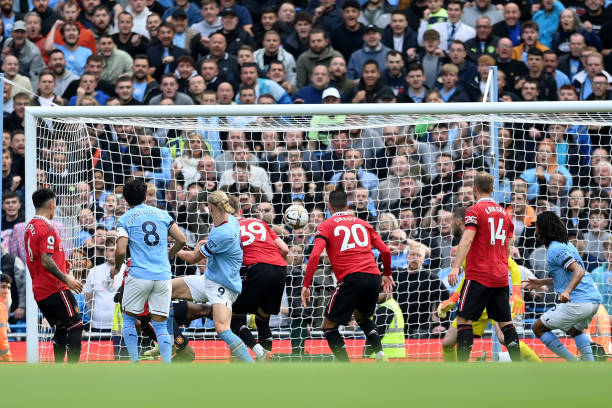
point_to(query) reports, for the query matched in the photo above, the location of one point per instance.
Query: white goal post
(363, 116)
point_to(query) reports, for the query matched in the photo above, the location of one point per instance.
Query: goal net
(408, 174)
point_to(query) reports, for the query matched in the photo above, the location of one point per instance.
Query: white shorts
(138, 291)
(206, 291)
(564, 316)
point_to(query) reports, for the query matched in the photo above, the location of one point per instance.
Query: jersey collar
(40, 217)
(486, 199)
(340, 213)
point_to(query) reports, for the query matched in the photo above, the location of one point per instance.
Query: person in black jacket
(348, 37)
(370, 84)
(164, 56)
(547, 85)
(450, 91)
(398, 28)
(235, 35)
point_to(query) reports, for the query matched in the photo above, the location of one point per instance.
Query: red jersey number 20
(497, 233)
(356, 235)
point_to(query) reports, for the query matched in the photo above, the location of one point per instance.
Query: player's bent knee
(538, 328)
(328, 324)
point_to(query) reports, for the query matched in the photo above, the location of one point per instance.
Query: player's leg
(338, 312)
(552, 319)
(247, 303)
(582, 314)
(498, 309)
(472, 302)
(74, 327)
(159, 305)
(50, 308)
(135, 294)
(270, 303)
(527, 353)
(60, 343)
(368, 299)
(222, 299)
(181, 288)
(449, 351)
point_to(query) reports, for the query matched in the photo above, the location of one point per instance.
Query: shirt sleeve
(322, 233)
(47, 242)
(121, 229)
(217, 243)
(273, 234)
(561, 256)
(471, 219)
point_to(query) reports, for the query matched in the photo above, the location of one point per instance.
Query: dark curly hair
(549, 227)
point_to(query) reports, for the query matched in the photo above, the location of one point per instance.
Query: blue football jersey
(224, 253)
(147, 230)
(560, 256)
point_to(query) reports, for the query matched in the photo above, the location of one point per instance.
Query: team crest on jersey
(50, 242)
(76, 309)
(471, 219)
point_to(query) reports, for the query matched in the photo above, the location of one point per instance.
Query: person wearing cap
(314, 93)
(245, 21)
(70, 14)
(330, 95)
(372, 49)
(376, 12)
(183, 34)
(235, 35)
(327, 15)
(31, 63)
(348, 37)
(369, 85)
(189, 11)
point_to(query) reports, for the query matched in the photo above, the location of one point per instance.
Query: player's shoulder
(41, 226)
(559, 251)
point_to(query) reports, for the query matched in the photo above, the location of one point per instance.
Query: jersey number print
(352, 234)
(498, 233)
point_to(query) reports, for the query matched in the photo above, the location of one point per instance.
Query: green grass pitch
(292, 385)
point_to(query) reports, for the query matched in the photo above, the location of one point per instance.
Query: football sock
(449, 354)
(59, 344)
(236, 346)
(264, 334)
(527, 354)
(180, 341)
(75, 336)
(336, 344)
(164, 340)
(554, 344)
(465, 340)
(130, 336)
(247, 337)
(170, 321)
(511, 341)
(369, 329)
(583, 343)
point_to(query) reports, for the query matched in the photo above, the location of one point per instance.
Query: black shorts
(61, 310)
(357, 291)
(262, 287)
(476, 296)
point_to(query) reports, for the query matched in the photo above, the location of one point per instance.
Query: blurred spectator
(319, 52)
(76, 55)
(100, 289)
(63, 77)
(11, 181)
(602, 276)
(88, 87)
(569, 23)
(152, 23)
(419, 292)
(272, 51)
(314, 93)
(353, 161)
(249, 77)
(164, 56)
(12, 212)
(47, 15)
(211, 21)
(16, 120)
(235, 34)
(510, 26)
(545, 166)
(547, 19)
(169, 90)
(530, 34)
(601, 88)
(348, 36)
(551, 63)
(10, 67)
(571, 63)
(372, 49)
(186, 8)
(327, 15)
(547, 86)
(376, 12)
(116, 62)
(126, 39)
(583, 81)
(451, 30)
(451, 91)
(598, 233)
(184, 35)
(430, 57)
(102, 23)
(481, 8)
(140, 12)
(484, 43)
(299, 40)
(29, 55)
(15, 268)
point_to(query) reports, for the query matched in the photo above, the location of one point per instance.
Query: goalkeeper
(449, 351)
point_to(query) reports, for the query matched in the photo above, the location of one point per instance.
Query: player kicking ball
(349, 241)
(578, 298)
(486, 242)
(144, 230)
(221, 284)
(264, 272)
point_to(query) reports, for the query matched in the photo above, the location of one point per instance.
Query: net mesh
(406, 174)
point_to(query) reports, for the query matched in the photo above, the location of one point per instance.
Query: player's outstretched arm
(49, 264)
(192, 257)
(179, 240)
(462, 250)
(120, 251)
(577, 275)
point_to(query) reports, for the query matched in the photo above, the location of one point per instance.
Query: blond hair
(219, 199)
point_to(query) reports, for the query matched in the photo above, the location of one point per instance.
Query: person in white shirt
(140, 12)
(453, 29)
(100, 289)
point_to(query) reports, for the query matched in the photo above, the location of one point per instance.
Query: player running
(264, 270)
(144, 230)
(221, 284)
(51, 279)
(578, 298)
(449, 342)
(487, 242)
(349, 241)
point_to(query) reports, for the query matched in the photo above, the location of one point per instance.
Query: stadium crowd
(409, 181)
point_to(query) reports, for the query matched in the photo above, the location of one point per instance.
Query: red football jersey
(348, 242)
(258, 243)
(41, 237)
(487, 260)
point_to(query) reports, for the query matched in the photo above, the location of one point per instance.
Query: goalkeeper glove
(517, 303)
(448, 305)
